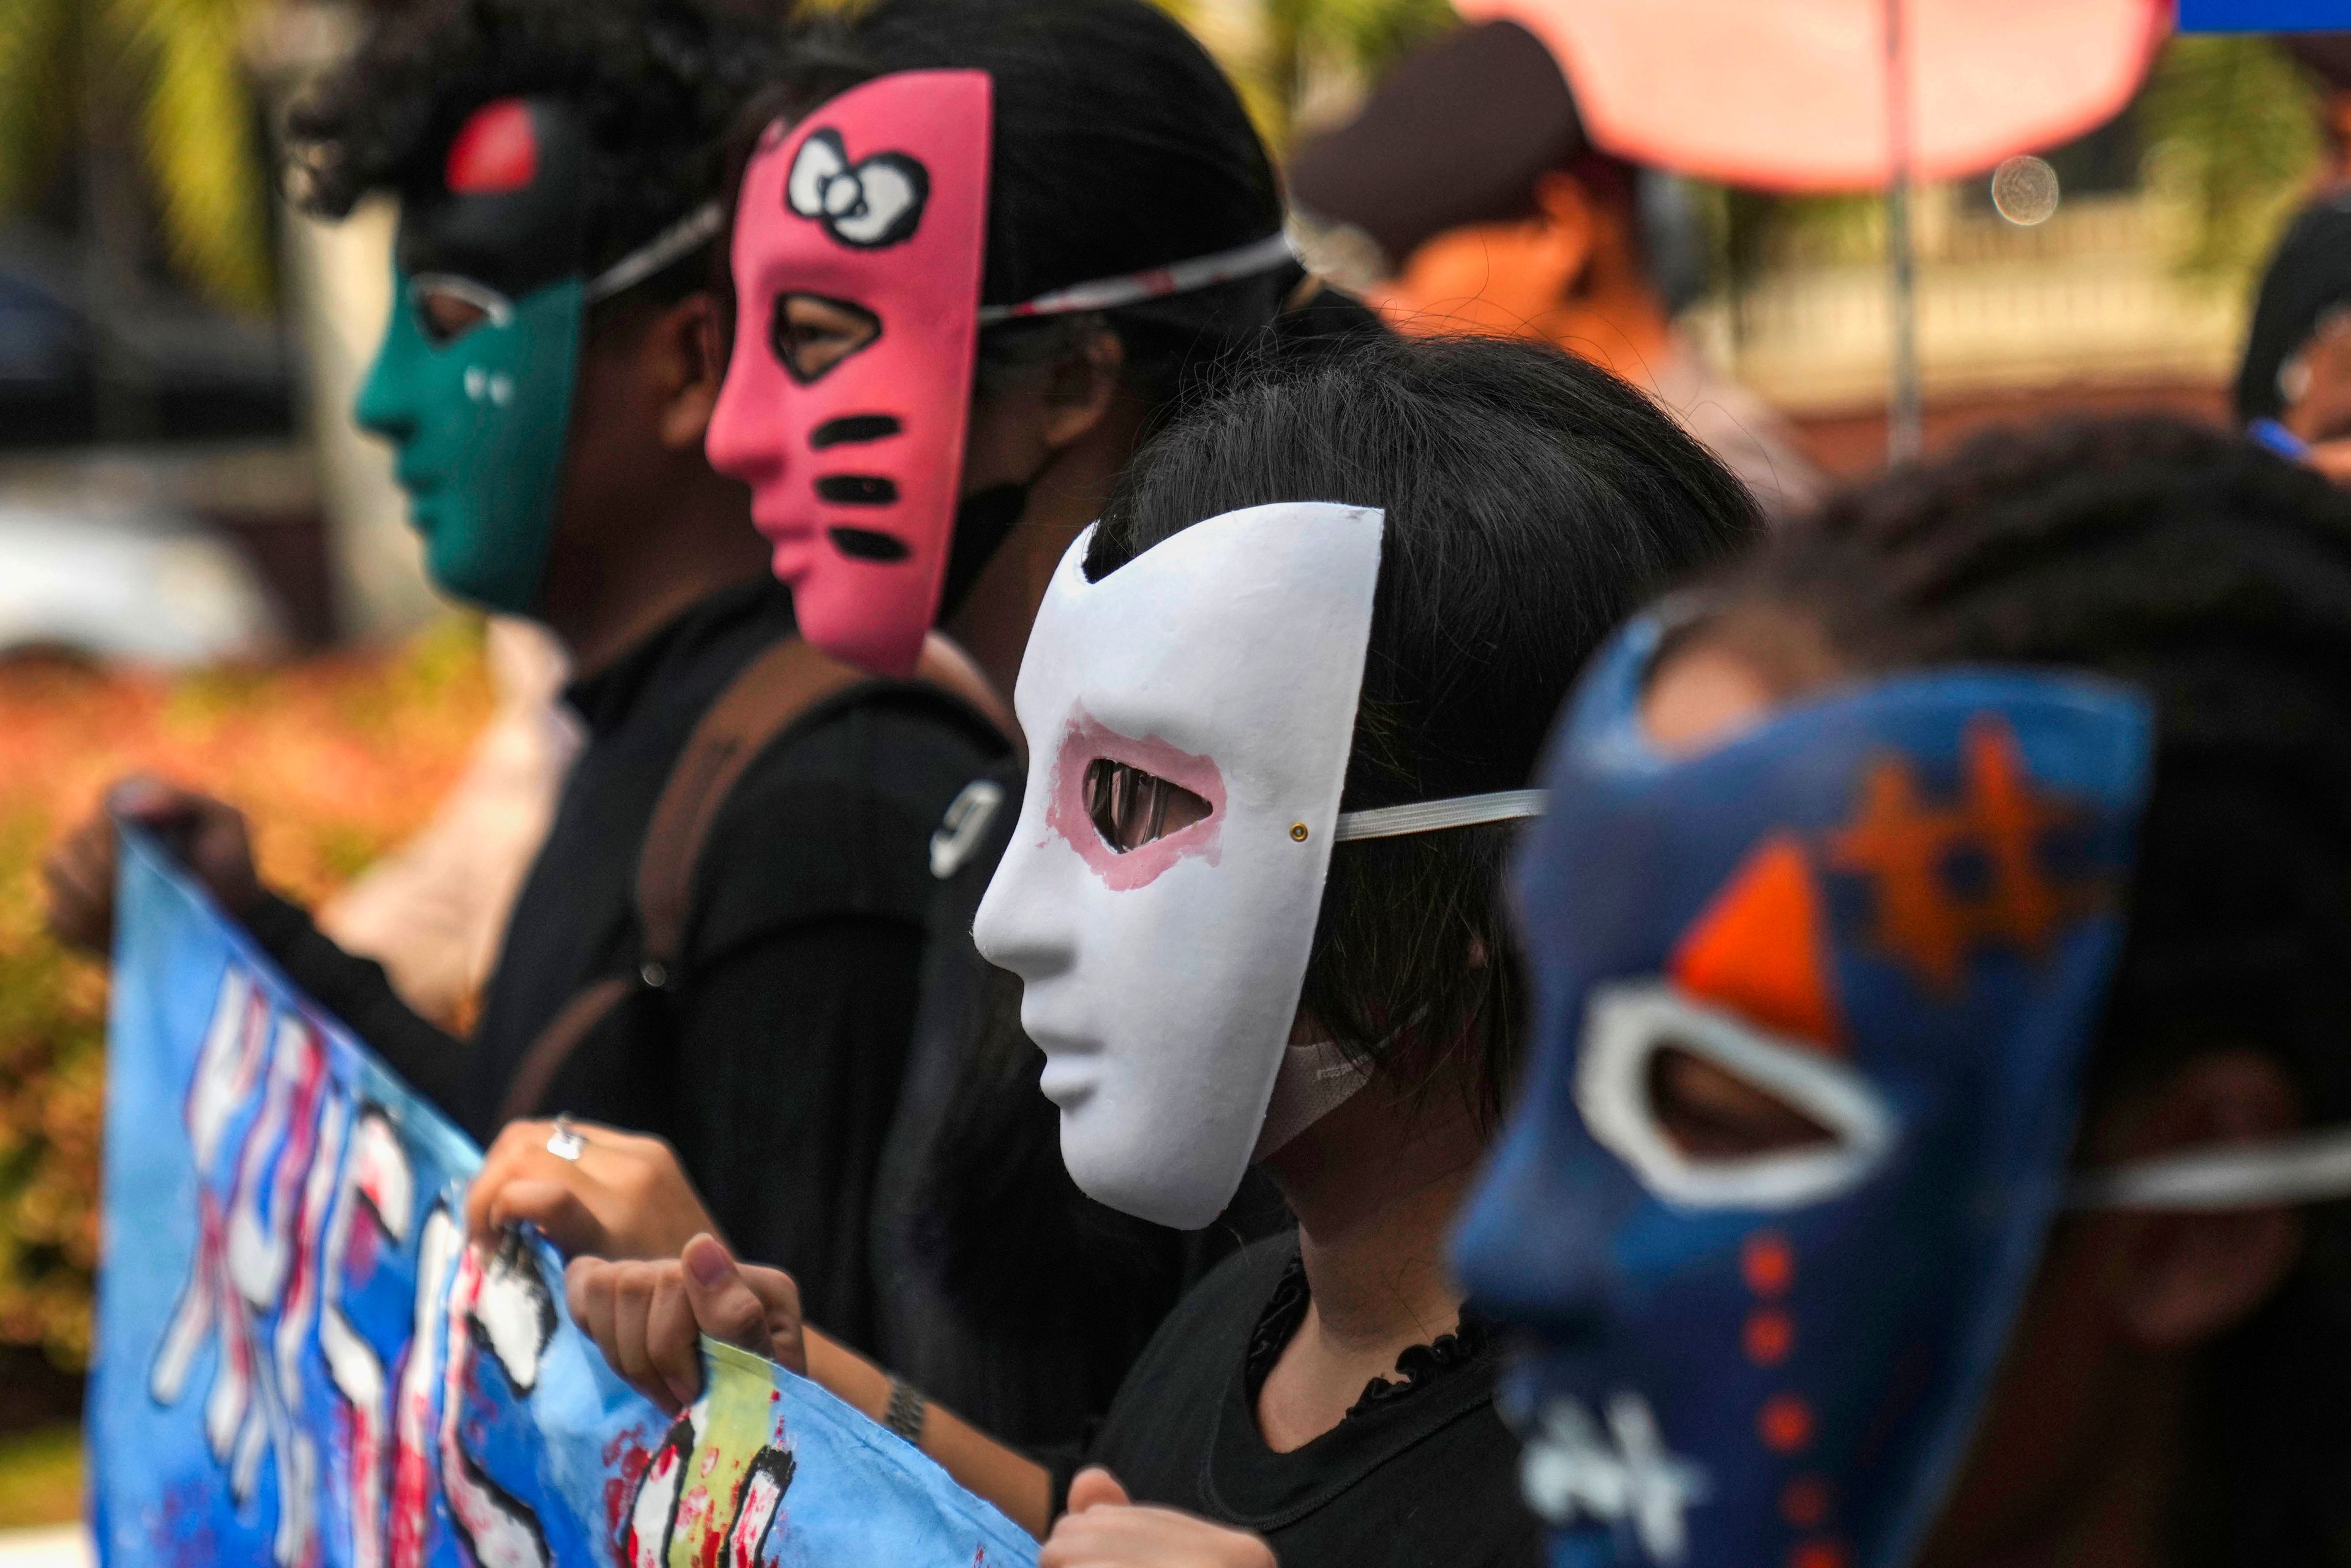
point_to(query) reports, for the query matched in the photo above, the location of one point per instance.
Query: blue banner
(2263, 16)
(300, 1361)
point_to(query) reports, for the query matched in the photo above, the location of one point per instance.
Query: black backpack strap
(773, 692)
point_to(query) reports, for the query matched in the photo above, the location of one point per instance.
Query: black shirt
(771, 1059)
(1421, 1472)
(2308, 276)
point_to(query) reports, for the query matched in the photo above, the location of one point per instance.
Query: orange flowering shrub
(333, 760)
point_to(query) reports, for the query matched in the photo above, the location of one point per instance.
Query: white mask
(1162, 934)
(1161, 982)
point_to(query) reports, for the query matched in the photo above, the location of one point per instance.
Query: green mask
(478, 423)
(474, 381)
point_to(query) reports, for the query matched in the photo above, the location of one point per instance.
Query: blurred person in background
(1470, 173)
(433, 911)
(547, 378)
(2293, 382)
(1939, 1126)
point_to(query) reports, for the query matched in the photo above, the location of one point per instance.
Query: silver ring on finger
(565, 1143)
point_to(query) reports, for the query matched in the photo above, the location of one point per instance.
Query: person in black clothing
(1325, 1396)
(1119, 150)
(2294, 379)
(557, 160)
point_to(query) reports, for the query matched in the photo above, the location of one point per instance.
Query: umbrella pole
(1904, 418)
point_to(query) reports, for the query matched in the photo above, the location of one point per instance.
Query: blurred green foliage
(40, 1478)
(52, 1025)
(72, 70)
(1357, 36)
(334, 760)
(2230, 128)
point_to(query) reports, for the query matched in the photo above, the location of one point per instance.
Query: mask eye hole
(448, 306)
(1711, 1113)
(811, 334)
(1130, 807)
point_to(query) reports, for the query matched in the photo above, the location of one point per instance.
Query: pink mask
(859, 241)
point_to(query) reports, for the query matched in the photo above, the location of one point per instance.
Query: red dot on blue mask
(497, 151)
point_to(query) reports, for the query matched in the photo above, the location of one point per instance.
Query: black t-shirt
(771, 1059)
(1421, 1473)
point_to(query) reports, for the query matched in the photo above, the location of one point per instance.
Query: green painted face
(477, 418)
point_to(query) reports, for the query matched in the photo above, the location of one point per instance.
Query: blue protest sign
(300, 1361)
(2263, 16)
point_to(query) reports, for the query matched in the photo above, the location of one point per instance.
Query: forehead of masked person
(509, 208)
(1531, 502)
(620, 131)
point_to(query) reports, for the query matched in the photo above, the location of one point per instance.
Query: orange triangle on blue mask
(1760, 950)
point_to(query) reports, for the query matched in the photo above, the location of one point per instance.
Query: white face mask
(1161, 970)
(1192, 716)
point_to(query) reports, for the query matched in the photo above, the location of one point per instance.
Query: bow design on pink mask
(871, 203)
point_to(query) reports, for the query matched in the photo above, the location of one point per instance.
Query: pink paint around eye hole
(1083, 739)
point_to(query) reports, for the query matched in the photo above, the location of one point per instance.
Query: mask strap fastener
(1151, 283)
(1434, 815)
(672, 245)
(2251, 1176)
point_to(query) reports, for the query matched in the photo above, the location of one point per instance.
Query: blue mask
(1893, 909)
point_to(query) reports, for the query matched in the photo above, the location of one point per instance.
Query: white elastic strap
(1430, 816)
(2250, 1176)
(673, 244)
(1152, 283)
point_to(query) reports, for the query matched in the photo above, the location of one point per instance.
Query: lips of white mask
(1161, 982)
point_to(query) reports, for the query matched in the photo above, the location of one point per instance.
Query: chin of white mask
(1162, 979)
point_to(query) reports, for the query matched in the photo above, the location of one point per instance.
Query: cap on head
(1455, 135)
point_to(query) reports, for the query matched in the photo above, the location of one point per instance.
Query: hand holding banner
(301, 1362)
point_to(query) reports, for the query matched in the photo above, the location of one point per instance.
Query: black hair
(1117, 145)
(2216, 578)
(659, 83)
(1532, 501)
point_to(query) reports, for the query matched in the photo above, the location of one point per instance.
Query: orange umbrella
(1792, 95)
(1823, 95)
